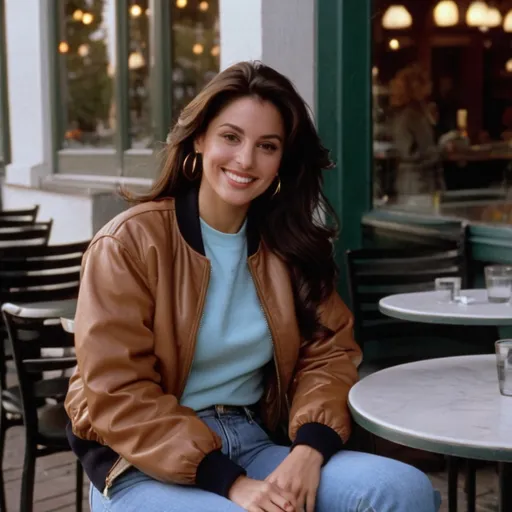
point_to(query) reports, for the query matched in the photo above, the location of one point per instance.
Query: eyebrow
(239, 130)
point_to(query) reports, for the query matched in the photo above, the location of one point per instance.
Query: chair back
(18, 217)
(42, 273)
(41, 351)
(37, 233)
(377, 273)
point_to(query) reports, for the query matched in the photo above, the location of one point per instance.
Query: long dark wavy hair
(290, 223)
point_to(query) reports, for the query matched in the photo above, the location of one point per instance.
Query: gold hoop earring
(193, 171)
(278, 188)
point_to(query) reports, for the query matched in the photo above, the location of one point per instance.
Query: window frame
(122, 160)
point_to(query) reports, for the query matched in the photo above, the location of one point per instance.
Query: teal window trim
(343, 106)
(5, 130)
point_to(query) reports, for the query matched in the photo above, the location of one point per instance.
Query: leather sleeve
(325, 372)
(126, 404)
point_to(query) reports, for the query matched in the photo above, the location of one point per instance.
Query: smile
(245, 180)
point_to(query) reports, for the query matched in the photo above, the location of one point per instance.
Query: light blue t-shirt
(233, 342)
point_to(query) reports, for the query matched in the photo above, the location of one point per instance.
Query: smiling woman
(208, 327)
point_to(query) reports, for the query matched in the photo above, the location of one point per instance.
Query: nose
(245, 157)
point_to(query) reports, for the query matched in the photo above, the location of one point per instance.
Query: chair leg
(471, 486)
(79, 486)
(27, 479)
(3, 428)
(453, 473)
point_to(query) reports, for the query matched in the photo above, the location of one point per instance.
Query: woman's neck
(218, 214)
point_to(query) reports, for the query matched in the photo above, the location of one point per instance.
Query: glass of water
(504, 362)
(498, 280)
(450, 286)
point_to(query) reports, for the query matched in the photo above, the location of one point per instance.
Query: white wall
(27, 58)
(280, 33)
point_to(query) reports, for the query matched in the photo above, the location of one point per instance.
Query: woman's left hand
(299, 473)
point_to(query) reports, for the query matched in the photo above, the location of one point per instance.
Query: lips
(242, 178)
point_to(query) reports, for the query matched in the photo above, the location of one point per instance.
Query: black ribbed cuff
(217, 473)
(320, 437)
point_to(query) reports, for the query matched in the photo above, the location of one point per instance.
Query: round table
(432, 307)
(449, 405)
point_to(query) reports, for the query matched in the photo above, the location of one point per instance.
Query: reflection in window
(87, 48)
(442, 106)
(138, 68)
(195, 48)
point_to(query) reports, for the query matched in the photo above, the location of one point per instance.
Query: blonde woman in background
(419, 172)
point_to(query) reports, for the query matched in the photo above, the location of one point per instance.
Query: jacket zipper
(194, 338)
(121, 465)
(276, 365)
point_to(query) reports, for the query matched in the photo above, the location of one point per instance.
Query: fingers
(310, 501)
(284, 500)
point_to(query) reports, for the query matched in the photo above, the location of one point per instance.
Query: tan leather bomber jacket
(141, 298)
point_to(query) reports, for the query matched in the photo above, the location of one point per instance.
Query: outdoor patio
(55, 478)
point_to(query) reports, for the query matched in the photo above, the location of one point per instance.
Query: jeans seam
(224, 431)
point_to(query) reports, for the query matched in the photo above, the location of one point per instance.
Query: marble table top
(431, 307)
(450, 405)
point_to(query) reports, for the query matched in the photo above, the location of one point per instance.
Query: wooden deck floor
(55, 480)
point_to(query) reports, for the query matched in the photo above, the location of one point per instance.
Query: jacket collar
(187, 215)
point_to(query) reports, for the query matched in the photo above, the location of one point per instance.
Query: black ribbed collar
(187, 215)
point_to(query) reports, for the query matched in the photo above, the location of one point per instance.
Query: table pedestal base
(505, 469)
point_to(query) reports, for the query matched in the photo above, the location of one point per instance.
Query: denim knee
(404, 489)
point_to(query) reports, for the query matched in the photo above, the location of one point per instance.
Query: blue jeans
(350, 481)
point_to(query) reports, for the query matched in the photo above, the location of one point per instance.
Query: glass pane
(195, 48)
(88, 62)
(442, 107)
(138, 69)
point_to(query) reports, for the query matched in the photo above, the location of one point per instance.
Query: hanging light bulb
(203, 6)
(198, 48)
(181, 4)
(394, 44)
(493, 17)
(77, 15)
(83, 50)
(215, 51)
(396, 17)
(135, 11)
(136, 60)
(63, 47)
(87, 18)
(476, 15)
(508, 66)
(507, 23)
(446, 13)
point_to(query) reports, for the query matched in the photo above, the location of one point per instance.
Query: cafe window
(442, 107)
(124, 70)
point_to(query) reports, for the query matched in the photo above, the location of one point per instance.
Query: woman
(419, 170)
(208, 317)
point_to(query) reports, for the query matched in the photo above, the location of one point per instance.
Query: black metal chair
(37, 233)
(31, 274)
(45, 425)
(18, 217)
(375, 273)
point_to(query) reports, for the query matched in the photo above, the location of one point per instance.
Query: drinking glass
(450, 285)
(504, 363)
(498, 280)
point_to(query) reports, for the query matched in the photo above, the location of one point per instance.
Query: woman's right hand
(257, 496)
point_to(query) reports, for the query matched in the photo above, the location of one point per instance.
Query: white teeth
(237, 178)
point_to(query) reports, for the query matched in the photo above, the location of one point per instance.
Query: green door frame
(343, 106)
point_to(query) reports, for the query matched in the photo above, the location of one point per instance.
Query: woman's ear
(198, 144)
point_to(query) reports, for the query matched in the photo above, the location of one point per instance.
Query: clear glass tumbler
(498, 280)
(504, 363)
(449, 285)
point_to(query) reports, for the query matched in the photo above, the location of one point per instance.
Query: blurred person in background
(419, 172)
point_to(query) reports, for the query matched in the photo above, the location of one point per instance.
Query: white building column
(29, 109)
(280, 33)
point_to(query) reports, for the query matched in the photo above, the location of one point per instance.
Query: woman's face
(242, 150)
